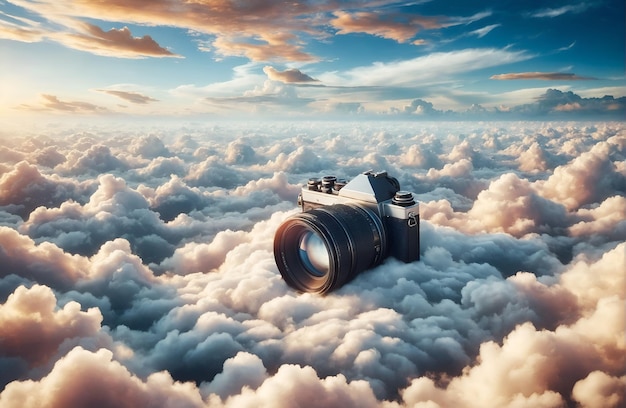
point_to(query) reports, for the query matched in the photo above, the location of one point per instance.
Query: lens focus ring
(352, 236)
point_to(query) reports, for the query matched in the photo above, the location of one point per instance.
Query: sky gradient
(315, 59)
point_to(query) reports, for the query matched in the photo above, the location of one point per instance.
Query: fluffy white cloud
(599, 389)
(71, 383)
(151, 260)
(24, 333)
(590, 178)
(25, 188)
(541, 367)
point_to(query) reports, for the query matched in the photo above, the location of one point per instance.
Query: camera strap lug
(412, 220)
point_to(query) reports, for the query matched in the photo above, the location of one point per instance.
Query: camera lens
(313, 254)
(321, 249)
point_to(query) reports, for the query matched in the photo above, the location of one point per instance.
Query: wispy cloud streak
(546, 76)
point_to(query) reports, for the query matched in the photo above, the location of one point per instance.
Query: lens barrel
(352, 236)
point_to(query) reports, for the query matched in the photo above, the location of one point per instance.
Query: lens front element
(319, 250)
(313, 254)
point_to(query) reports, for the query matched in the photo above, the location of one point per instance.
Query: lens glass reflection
(313, 254)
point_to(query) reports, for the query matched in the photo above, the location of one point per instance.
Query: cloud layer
(145, 260)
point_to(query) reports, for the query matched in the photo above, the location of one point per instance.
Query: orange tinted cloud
(395, 26)
(546, 76)
(26, 32)
(114, 43)
(70, 383)
(132, 97)
(287, 76)
(258, 30)
(22, 333)
(271, 50)
(375, 24)
(241, 28)
(82, 36)
(52, 102)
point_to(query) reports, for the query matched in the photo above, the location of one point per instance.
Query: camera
(345, 228)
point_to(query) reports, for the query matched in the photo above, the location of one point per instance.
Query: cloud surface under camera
(149, 258)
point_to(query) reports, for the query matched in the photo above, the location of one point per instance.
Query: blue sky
(316, 59)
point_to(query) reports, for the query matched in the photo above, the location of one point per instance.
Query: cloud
(304, 159)
(567, 47)
(238, 152)
(175, 197)
(534, 159)
(149, 254)
(164, 167)
(301, 386)
(20, 29)
(557, 100)
(419, 156)
(607, 219)
(195, 257)
(45, 263)
(288, 76)
(247, 30)
(96, 159)
(556, 12)
(342, 108)
(113, 43)
(547, 76)
(23, 335)
(600, 389)
(236, 32)
(82, 36)
(590, 178)
(243, 370)
(212, 173)
(123, 213)
(386, 26)
(50, 157)
(481, 32)
(552, 103)
(71, 383)
(132, 97)
(149, 147)
(547, 367)
(396, 26)
(26, 188)
(275, 47)
(273, 99)
(420, 107)
(53, 103)
(433, 67)
(511, 205)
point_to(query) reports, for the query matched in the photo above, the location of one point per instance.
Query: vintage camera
(344, 229)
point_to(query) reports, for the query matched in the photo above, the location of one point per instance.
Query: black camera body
(345, 228)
